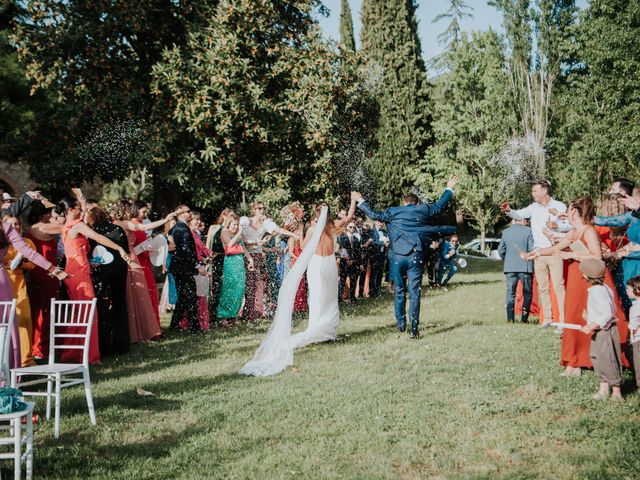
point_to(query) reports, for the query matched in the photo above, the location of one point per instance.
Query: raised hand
(453, 180)
(631, 203)
(356, 196)
(504, 206)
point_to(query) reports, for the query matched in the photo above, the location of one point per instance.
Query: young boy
(633, 290)
(600, 316)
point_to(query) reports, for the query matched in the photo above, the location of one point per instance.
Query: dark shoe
(415, 335)
(525, 320)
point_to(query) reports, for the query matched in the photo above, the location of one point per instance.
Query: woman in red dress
(139, 211)
(42, 286)
(575, 344)
(75, 236)
(295, 249)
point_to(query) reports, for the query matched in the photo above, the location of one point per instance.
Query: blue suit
(410, 230)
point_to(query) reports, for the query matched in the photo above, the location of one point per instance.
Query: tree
(536, 66)
(346, 26)
(474, 118)
(260, 95)
(597, 137)
(449, 39)
(95, 59)
(389, 37)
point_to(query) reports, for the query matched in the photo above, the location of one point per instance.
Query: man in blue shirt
(448, 258)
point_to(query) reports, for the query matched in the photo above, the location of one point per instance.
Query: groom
(410, 231)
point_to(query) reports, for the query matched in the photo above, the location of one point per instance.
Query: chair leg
(17, 448)
(49, 393)
(89, 394)
(14, 380)
(56, 420)
(29, 445)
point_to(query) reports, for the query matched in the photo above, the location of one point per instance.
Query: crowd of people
(584, 262)
(229, 273)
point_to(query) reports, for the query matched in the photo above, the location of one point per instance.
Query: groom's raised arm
(435, 208)
(384, 217)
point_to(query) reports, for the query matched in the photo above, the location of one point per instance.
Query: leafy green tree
(450, 37)
(389, 37)
(260, 95)
(536, 66)
(474, 118)
(95, 59)
(346, 26)
(597, 137)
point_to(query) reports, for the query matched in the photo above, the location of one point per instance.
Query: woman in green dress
(233, 272)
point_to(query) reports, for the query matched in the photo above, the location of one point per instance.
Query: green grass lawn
(474, 398)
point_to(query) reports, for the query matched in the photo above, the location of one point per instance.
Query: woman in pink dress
(143, 325)
(75, 237)
(139, 211)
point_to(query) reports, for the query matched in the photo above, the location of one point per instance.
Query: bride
(317, 257)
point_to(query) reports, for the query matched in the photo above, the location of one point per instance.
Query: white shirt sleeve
(600, 306)
(520, 214)
(270, 226)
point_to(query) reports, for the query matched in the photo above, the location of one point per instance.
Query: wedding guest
(15, 265)
(138, 214)
(9, 236)
(448, 259)
(350, 259)
(294, 246)
(184, 267)
(234, 276)
(613, 239)
(42, 287)
(203, 254)
(75, 236)
(633, 291)
(364, 235)
(380, 242)
(540, 212)
(630, 260)
(621, 186)
(169, 295)
(575, 345)
(216, 266)
(432, 261)
(143, 322)
(110, 286)
(197, 226)
(258, 226)
(17, 206)
(517, 239)
(601, 327)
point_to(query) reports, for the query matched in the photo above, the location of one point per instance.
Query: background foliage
(219, 100)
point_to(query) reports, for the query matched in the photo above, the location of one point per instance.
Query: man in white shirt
(542, 210)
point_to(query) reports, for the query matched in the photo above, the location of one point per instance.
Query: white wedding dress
(275, 353)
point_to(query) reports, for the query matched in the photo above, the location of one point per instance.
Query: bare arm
(148, 226)
(84, 229)
(352, 209)
(47, 228)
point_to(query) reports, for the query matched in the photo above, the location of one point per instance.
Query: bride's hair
(329, 227)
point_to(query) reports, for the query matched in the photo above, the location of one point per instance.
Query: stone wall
(16, 177)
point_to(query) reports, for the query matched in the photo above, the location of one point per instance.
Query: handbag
(11, 400)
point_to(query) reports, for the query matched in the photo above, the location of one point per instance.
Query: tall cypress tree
(390, 38)
(346, 26)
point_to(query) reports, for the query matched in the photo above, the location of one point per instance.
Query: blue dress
(630, 263)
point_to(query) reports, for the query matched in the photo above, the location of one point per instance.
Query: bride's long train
(275, 353)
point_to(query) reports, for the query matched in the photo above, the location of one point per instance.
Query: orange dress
(79, 287)
(575, 344)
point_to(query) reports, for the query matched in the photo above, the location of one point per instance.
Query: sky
(484, 17)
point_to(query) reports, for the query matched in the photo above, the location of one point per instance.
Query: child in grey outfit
(600, 316)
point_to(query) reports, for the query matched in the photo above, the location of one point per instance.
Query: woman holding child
(582, 243)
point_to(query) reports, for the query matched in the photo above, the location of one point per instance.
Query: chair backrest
(7, 318)
(71, 324)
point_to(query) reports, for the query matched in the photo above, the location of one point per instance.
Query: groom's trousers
(407, 268)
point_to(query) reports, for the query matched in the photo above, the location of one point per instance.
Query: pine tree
(390, 38)
(346, 27)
